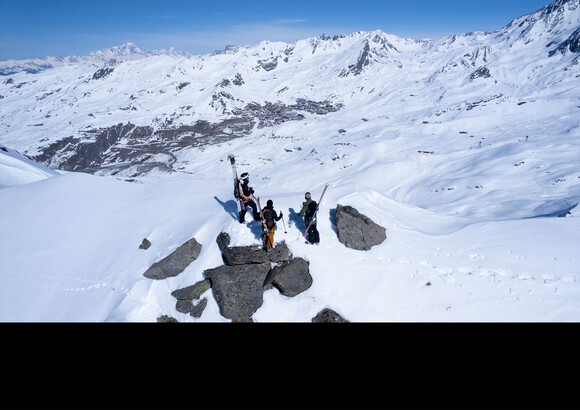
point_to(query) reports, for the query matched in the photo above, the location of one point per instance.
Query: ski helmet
(245, 175)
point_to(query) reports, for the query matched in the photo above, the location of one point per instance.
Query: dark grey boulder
(223, 241)
(184, 306)
(185, 297)
(176, 262)
(199, 308)
(145, 244)
(357, 231)
(166, 319)
(290, 278)
(193, 291)
(243, 255)
(194, 309)
(238, 289)
(280, 253)
(328, 316)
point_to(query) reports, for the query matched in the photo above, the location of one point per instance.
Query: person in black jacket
(247, 192)
(309, 210)
(270, 216)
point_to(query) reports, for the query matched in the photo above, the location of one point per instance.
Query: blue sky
(40, 28)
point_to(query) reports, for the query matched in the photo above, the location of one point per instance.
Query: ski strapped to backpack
(315, 212)
(264, 226)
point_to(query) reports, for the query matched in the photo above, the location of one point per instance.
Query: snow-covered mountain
(464, 148)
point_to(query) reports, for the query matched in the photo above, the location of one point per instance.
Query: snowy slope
(17, 169)
(464, 148)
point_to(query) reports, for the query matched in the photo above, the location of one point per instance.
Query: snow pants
(269, 238)
(255, 212)
(313, 235)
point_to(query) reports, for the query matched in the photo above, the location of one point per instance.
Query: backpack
(268, 217)
(311, 210)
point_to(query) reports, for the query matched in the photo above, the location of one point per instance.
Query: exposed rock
(328, 316)
(223, 241)
(238, 289)
(269, 64)
(242, 255)
(280, 253)
(572, 44)
(357, 231)
(364, 59)
(166, 319)
(184, 306)
(176, 262)
(187, 306)
(193, 291)
(140, 149)
(199, 308)
(145, 244)
(481, 72)
(102, 73)
(238, 286)
(291, 277)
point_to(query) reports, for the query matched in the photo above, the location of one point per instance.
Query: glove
(281, 214)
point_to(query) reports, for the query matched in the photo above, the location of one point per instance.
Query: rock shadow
(332, 219)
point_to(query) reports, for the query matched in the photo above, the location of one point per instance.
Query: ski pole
(284, 223)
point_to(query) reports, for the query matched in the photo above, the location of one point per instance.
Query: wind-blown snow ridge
(464, 148)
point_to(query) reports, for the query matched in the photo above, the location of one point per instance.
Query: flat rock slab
(243, 255)
(176, 262)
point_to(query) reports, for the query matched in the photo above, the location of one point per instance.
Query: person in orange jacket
(270, 216)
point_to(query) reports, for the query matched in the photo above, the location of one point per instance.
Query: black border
(283, 366)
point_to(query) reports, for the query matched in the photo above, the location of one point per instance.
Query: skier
(308, 210)
(246, 192)
(270, 217)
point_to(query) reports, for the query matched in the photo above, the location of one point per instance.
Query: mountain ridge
(166, 95)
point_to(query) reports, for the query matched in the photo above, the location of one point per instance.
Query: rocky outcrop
(357, 231)
(328, 316)
(481, 72)
(238, 286)
(248, 271)
(571, 44)
(176, 262)
(137, 150)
